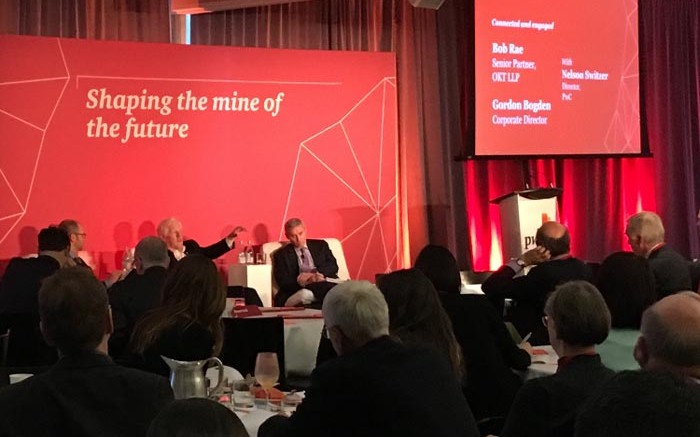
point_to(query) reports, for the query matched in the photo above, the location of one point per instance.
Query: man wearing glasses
(77, 236)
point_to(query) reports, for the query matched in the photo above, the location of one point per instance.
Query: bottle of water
(242, 254)
(249, 253)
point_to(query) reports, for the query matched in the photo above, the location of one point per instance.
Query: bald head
(554, 237)
(170, 231)
(671, 334)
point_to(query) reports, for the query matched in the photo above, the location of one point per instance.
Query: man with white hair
(646, 235)
(376, 386)
(170, 231)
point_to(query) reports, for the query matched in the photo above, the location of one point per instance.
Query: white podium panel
(520, 219)
(257, 276)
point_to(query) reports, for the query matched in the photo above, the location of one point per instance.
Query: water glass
(242, 397)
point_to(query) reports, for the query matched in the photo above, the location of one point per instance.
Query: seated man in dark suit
(645, 234)
(19, 291)
(170, 231)
(577, 320)
(376, 386)
(76, 235)
(137, 293)
(301, 267)
(553, 265)
(85, 393)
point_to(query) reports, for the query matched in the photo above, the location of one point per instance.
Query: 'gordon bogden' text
(524, 105)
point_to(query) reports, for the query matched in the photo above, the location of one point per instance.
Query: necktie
(305, 259)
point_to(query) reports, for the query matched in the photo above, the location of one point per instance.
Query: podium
(522, 213)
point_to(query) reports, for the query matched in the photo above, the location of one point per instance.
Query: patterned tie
(305, 259)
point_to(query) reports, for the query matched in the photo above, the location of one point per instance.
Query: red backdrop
(321, 145)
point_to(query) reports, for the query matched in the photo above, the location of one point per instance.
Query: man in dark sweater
(577, 319)
(645, 234)
(552, 265)
(85, 393)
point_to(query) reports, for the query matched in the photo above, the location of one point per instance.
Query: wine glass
(267, 372)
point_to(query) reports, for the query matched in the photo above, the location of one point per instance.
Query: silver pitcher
(187, 377)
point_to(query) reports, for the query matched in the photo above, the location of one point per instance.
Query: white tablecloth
(542, 365)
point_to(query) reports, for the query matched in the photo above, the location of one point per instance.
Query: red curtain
(125, 20)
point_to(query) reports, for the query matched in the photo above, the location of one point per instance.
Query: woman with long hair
(489, 351)
(626, 282)
(416, 316)
(186, 325)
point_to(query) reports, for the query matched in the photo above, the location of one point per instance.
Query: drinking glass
(260, 258)
(267, 372)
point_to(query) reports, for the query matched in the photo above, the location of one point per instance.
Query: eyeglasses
(82, 234)
(545, 320)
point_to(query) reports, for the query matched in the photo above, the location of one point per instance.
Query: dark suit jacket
(212, 252)
(548, 406)
(671, 271)
(285, 269)
(19, 288)
(84, 395)
(530, 292)
(489, 353)
(130, 299)
(19, 310)
(382, 389)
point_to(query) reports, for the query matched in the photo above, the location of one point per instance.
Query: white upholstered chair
(335, 246)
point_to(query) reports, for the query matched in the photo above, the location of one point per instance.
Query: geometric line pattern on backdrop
(23, 204)
(373, 199)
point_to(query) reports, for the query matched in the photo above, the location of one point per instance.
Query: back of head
(193, 292)
(440, 266)
(196, 417)
(152, 251)
(642, 404)
(53, 238)
(579, 312)
(671, 332)
(358, 309)
(626, 282)
(648, 226)
(554, 237)
(70, 226)
(74, 310)
(416, 314)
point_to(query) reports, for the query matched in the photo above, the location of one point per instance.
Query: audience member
(132, 297)
(670, 336)
(416, 316)
(488, 349)
(577, 319)
(85, 393)
(553, 265)
(662, 399)
(301, 267)
(401, 389)
(196, 418)
(19, 291)
(170, 231)
(186, 325)
(77, 237)
(627, 284)
(645, 234)
(642, 404)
